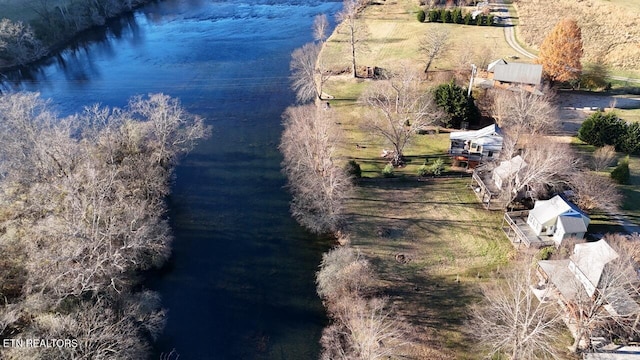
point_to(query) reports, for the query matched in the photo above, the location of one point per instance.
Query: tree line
(55, 22)
(83, 213)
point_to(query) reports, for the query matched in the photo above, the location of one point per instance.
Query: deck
(515, 227)
(486, 191)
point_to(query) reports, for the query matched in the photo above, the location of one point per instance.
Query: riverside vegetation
(82, 214)
(47, 25)
(409, 265)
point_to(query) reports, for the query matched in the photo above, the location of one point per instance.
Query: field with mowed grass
(395, 35)
(431, 244)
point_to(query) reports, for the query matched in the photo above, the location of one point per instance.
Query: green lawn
(453, 245)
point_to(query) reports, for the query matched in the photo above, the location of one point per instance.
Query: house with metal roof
(518, 73)
(511, 76)
(472, 147)
(558, 218)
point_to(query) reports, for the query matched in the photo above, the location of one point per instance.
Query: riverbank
(429, 243)
(46, 28)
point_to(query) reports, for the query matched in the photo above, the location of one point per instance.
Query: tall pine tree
(561, 51)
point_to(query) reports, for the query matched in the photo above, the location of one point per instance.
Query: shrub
(457, 15)
(421, 16)
(467, 18)
(621, 173)
(545, 253)
(388, 171)
(353, 169)
(601, 129)
(490, 18)
(437, 167)
(423, 170)
(479, 19)
(447, 17)
(434, 15)
(630, 141)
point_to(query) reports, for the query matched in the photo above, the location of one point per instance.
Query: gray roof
(573, 224)
(494, 63)
(520, 73)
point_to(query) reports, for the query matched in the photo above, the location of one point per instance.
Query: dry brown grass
(610, 29)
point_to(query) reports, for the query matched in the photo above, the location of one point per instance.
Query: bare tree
(434, 45)
(366, 330)
(307, 72)
(549, 166)
(398, 107)
(18, 43)
(603, 157)
(523, 113)
(355, 29)
(595, 191)
(606, 305)
(512, 321)
(320, 28)
(319, 186)
(87, 201)
(343, 272)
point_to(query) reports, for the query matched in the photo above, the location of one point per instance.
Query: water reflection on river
(240, 283)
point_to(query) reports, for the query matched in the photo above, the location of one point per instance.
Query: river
(240, 282)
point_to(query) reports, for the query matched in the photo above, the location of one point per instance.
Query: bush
(437, 167)
(421, 15)
(630, 141)
(388, 171)
(423, 170)
(479, 19)
(601, 129)
(353, 169)
(490, 18)
(621, 173)
(457, 15)
(446, 16)
(545, 253)
(434, 169)
(434, 15)
(467, 18)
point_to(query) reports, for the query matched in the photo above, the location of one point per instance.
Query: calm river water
(240, 284)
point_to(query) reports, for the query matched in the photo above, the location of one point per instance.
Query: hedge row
(602, 129)
(455, 16)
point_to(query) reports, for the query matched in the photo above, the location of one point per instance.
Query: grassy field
(395, 35)
(453, 245)
(602, 222)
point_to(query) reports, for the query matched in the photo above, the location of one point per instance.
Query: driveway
(574, 107)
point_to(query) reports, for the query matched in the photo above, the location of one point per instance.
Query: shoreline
(59, 46)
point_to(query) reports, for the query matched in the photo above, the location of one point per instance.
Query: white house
(559, 218)
(476, 145)
(507, 169)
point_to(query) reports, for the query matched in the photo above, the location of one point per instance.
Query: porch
(514, 225)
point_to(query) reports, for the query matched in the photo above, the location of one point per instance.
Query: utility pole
(474, 70)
